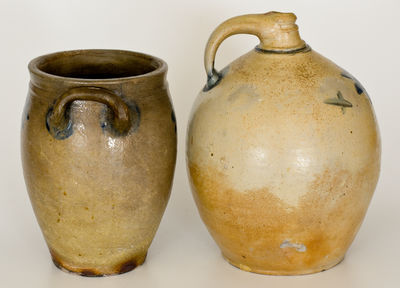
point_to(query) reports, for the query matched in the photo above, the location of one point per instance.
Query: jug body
(98, 150)
(283, 154)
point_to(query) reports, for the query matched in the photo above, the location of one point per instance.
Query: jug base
(283, 272)
(100, 272)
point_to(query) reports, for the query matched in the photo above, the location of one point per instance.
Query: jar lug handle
(59, 124)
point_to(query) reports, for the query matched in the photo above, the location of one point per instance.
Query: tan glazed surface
(283, 152)
(98, 151)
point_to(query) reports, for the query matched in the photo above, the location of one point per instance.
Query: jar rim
(97, 65)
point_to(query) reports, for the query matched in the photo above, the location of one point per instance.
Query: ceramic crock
(283, 151)
(98, 152)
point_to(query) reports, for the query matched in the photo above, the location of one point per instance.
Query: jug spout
(278, 31)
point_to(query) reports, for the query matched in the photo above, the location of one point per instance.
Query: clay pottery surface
(283, 151)
(98, 152)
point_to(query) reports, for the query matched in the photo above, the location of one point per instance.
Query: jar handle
(59, 124)
(276, 31)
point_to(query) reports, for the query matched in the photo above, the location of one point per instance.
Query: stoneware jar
(98, 152)
(283, 151)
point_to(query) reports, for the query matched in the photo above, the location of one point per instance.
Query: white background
(360, 36)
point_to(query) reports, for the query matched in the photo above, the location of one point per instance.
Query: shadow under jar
(98, 144)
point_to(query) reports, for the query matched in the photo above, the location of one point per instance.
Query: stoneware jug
(283, 151)
(98, 152)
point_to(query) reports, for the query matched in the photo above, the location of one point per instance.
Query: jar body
(99, 196)
(283, 157)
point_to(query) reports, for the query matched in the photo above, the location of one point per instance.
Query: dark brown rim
(34, 69)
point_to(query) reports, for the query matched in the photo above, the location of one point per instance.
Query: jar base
(282, 272)
(100, 272)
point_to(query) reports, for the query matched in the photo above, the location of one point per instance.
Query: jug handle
(59, 124)
(277, 33)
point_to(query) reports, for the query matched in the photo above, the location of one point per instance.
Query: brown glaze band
(283, 272)
(90, 272)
